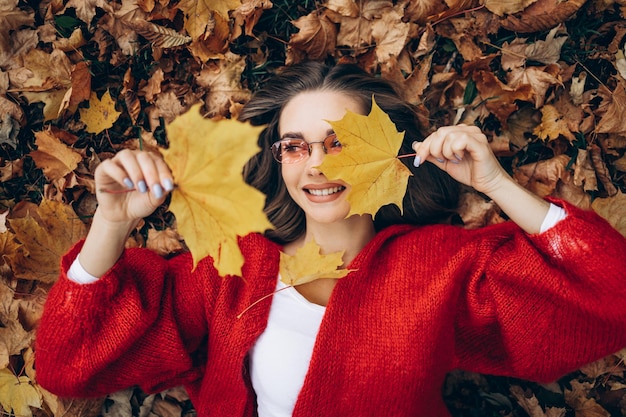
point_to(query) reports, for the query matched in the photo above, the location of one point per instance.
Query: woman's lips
(319, 194)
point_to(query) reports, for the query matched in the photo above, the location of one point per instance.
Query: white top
(280, 357)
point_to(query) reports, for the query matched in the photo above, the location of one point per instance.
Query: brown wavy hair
(432, 195)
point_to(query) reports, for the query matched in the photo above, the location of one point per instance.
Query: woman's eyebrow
(292, 135)
(299, 135)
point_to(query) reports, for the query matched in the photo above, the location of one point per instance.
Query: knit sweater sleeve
(137, 325)
(543, 305)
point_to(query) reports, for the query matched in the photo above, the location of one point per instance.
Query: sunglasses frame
(276, 147)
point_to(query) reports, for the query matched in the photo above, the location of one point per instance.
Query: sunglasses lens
(288, 151)
(332, 145)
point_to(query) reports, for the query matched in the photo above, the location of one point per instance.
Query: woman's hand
(464, 153)
(131, 185)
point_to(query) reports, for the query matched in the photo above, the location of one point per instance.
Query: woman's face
(306, 116)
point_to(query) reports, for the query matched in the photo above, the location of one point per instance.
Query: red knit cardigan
(424, 300)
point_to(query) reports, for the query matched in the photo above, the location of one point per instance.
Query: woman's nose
(316, 157)
(317, 151)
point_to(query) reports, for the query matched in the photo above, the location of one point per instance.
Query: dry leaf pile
(81, 80)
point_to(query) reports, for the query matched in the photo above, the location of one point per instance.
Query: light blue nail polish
(440, 160)
(417, 161)
(458, 158)
(141, 185)
(157, 190)
(168, 184)
(128, 183)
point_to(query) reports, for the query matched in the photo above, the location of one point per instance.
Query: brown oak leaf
(316, 38)
(54, 157)
(613, 209)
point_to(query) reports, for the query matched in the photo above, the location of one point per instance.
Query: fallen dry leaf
(613, 209)
(164, 242)
(553, 125)
(47, 79)
(223, 81)
(13, 337)
(17, 394)
(368, 161)
(540, 15)
(612, 108)
(584, 174)
(54, 157)
(197, 13)
(101, 113)
(530, 404)
(583, 405)
(499, 98)
(247, 16)
(212, 203)
(542, 177)
(501, 8)
(316, 37)
(46, 235)
(308, 264)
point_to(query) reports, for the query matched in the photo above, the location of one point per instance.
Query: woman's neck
(350, 236)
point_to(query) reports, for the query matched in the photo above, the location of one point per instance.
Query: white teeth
(325, 191)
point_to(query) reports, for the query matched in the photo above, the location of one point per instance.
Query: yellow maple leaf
(308, 264)
(101, 114)
(368, 161)
(212, 203)
(17, 394)
(46, 235)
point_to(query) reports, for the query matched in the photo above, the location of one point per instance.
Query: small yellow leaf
(553, 125)
(212, 203)
(101, 114)
(17, 394)
(308, 264)
(368, 161)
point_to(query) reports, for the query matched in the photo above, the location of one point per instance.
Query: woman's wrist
(104, 244)
(522, 206)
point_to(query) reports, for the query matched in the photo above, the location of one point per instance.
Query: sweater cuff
(555, 214)
(79, 275)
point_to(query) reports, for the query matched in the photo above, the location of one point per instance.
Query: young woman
(533, 298)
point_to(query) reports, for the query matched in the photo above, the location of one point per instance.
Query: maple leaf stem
(108, 191)
(261, 299)
(408, 155)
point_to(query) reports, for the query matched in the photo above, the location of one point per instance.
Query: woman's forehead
(312, 110)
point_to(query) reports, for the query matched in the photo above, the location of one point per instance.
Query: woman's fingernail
(417, 161)
(128, 183)
(440, 160)
(458, 158)
(168, 184)
(157, 190)
(142, 187)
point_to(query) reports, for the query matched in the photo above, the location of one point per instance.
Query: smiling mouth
(325, 191)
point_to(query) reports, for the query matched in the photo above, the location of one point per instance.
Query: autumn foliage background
(80, 80)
